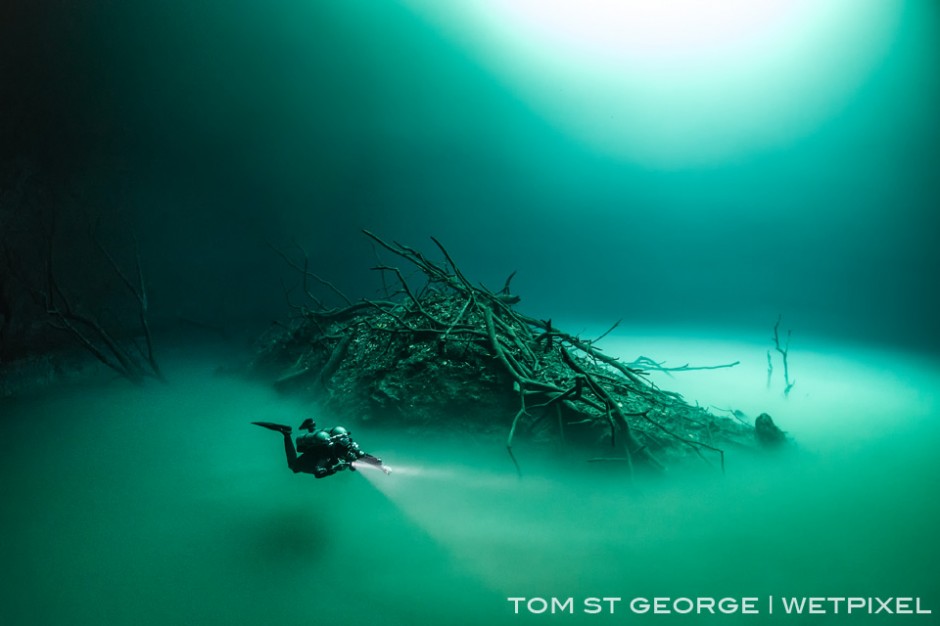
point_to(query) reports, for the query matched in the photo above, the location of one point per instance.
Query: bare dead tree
(117, 348)
(784, 352)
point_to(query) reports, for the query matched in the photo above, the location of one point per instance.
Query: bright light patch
(671, 83)
(653, 31)
(367, 467)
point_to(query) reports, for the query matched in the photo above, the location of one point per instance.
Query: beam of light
(412, 479)
(672, 83)
(385, 469)
(454, 505)
(412, 470)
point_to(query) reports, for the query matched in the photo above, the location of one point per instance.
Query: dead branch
(770, 369)
(647, 364)
(90, 333)
(306, 273)
(784, 352)
(139, 292)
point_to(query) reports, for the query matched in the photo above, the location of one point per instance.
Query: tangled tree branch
(554, 380)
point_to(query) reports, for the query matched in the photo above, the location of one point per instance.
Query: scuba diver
(322, 452)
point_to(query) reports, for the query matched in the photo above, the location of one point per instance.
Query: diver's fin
(278, 427)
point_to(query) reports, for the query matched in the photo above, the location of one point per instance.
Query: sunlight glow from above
(673, 83)
(663, 29)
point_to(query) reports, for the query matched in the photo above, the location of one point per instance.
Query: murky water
(164, 505)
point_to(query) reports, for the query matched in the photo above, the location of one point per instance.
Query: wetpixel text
(746, 605)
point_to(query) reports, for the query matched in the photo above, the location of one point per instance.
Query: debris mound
(457, 356)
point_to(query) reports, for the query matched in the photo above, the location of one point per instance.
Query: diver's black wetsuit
(321, 452)
(312, 461)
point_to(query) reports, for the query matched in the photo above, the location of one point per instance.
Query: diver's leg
(288, 442)
(291, 453)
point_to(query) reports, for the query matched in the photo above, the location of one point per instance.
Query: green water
(789, 168)
(164, 505)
